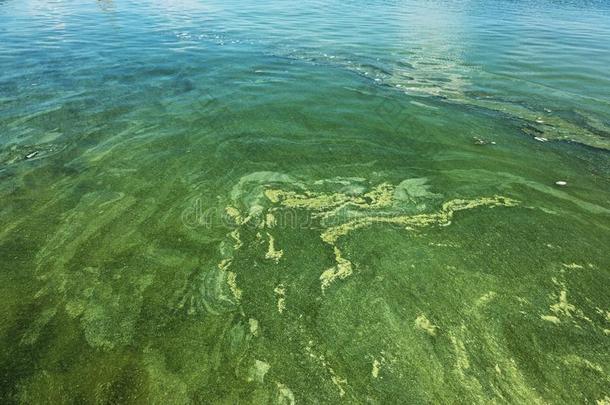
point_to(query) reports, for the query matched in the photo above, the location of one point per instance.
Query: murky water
(270, 202)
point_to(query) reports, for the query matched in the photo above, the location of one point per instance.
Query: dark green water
(323, 202)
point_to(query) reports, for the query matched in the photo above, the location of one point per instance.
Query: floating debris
(541, 139)
(561, 183)
(31, 155)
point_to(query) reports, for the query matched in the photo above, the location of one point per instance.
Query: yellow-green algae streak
(381, 196)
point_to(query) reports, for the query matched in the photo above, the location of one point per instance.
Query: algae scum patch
(325, 290)
(341, 213)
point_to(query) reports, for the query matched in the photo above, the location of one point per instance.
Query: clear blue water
(312, 202)
(524, 57)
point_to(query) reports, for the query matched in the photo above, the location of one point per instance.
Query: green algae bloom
(246, 202)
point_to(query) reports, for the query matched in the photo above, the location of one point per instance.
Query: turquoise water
(322, 202)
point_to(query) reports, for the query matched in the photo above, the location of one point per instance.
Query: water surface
(272, 202)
